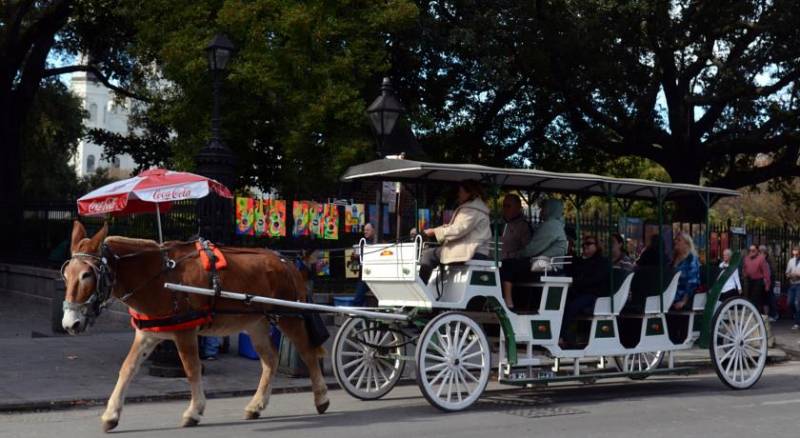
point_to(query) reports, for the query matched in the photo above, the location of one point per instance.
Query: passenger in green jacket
(548, 240)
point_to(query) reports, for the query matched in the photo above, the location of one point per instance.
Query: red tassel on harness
(170, 323)
(205, 260)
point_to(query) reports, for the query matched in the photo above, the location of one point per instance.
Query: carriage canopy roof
(529, 179)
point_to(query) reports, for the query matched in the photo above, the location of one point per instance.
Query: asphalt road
(693, 406)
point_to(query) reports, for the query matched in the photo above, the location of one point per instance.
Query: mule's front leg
(143, 345)
(186, 341)
(262, 342)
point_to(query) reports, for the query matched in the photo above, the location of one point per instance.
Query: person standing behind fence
(361, 286)
(793, 274)
(756, 274)
(732, 286)
(772, 301)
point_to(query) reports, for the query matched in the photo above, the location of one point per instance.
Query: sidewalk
(66, 371)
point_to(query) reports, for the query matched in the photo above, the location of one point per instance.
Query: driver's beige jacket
(467, 233)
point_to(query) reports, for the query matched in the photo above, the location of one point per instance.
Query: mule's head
(82, 274)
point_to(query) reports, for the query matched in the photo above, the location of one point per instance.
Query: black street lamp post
(384, 112)
(214, 214)
(216, 160)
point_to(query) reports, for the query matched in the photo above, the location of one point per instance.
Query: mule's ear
(78, 234)
(98, 238)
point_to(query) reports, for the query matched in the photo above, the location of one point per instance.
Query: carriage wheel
(738, 344)
(639, 363)
(453, 361)
(364, 371)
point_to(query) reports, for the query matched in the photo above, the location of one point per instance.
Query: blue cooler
(246, 347)
(343, 301)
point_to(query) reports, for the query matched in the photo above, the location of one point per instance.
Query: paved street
(694, 406)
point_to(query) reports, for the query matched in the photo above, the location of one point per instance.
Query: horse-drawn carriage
(457, 327)
(448, 319)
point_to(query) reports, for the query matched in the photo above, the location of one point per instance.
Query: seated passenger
(465, 237)
(650, 257)
(619, 256)
(549, 240)
(685, 261)
(732, 286)
(517, 232)
(589, 280)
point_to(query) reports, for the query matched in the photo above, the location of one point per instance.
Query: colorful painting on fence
(245, 217)
(323, 263)
(330, 222)
(276, 217)
(260, 222)
(373, 217)
(302, 218)
(423, 219)
(354, 219)
(352, 266)
(316, 219)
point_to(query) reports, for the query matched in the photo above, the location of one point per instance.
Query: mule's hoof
(109, 425)
(323, 407)
(252, 415)
(190, 422)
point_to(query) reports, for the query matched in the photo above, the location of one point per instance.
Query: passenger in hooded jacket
(467, 235)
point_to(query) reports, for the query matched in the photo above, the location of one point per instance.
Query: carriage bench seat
(656, 303)
(612, 305)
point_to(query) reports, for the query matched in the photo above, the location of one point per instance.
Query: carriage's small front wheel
(453, 361)
(639, 364)
(367, 359)
(738, 343)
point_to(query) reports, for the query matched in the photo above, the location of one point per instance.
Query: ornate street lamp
(216, 160)
(384, 112)
(214, 214)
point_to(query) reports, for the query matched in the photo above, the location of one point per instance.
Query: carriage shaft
(285, 303)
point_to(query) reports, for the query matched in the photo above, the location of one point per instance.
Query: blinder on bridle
(104, 283)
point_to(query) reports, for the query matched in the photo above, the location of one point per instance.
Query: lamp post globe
(384, 112)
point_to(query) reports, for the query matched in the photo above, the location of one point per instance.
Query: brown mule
(133, 271)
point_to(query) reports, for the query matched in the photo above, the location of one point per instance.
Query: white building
(105, 112)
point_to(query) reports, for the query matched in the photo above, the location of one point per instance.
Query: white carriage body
(391, 272)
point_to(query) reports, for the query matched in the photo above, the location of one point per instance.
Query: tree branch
(100, 76)
(785, 166)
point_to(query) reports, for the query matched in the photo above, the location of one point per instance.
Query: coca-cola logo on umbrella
(171, 194)
(102, 205)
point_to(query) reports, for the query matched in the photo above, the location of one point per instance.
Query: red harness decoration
(205, 260)
(171, 323)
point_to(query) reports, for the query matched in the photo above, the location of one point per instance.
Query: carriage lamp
(384, 112)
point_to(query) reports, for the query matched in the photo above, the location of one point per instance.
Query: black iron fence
(47, 228)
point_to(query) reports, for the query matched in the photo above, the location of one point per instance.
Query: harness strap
(188, 320)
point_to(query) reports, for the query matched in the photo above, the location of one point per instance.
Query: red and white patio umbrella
(151, 191)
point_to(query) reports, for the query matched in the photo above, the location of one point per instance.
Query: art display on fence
(423, 219)
(330, 222)
(373, 217)
(245, 217)
(302, 218)
(323, 264)
(352, 266)
(276, 216)
(354, 219)
(447, 216)
(260, 222)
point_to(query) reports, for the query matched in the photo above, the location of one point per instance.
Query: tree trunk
(10, 178)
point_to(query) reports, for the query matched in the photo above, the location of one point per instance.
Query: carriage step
(588, 377)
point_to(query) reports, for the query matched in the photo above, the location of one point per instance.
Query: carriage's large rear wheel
(453, 361)
(738, 343)
(367, 359)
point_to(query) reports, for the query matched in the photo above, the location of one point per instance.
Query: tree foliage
(293, 101)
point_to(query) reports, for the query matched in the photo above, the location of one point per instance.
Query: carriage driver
(467, 235)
